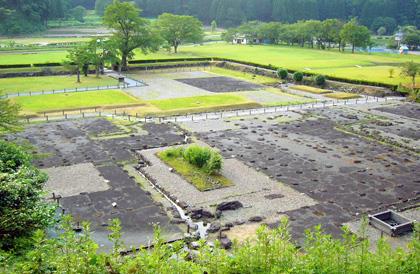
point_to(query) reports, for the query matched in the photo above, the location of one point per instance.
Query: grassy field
(194, 175)
(76, 100)
(361, 66)
(199, 102)
(48, 83)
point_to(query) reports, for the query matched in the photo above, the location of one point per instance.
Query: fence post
(27, 119)
(83, 115)
(129, 117)
(30, 93)
(46, 117)
(65, 116)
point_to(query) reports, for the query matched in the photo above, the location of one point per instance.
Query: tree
(100, 6)
(330, 32)
(355, 34)
(178, 29)
(213, 26)
(9, 120)
(100, 52)
(381, 31)
(130, 31)
(79, 13)
(79, 58)
(411, 37)
(23, 208)
(411, 69)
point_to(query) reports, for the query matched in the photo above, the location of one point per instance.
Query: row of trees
(228, 13)
(322, 34)
(132, 32)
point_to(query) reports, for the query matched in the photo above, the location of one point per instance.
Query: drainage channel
(199, 227)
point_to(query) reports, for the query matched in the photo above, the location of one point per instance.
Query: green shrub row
(169, 60)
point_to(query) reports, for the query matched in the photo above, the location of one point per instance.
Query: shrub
(282, 73)
(320, 80)
(215, 163)
(197, 155)
(202, 157)
(298, 76)
(23, 208)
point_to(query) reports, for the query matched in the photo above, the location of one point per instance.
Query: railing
(113, 113)
(138, 83)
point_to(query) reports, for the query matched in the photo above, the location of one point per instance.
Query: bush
(202, 157)
(214, 164)
(282, 73)
(320, 80)
(23, 208)
(298, 76)
(12, 157)
(197, 155)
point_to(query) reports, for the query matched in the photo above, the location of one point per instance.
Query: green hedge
(15, 66)
(168, 60)
(47, 65)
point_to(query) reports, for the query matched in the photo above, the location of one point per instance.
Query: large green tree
(355, 34)
(179, 29)
(130, 31)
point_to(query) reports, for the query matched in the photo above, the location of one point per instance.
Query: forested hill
(229, 13)
(26, 16)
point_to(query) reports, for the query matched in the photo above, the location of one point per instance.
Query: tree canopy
(130, 30)
(179, 29)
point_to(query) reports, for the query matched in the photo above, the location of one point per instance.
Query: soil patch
(220, 84)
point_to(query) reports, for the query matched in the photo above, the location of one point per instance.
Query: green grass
(206, 101)
(258, 79)
(311, 89)
(194, 175)
(76, 100)
(48, 83)
(360, 66)
(342, 95)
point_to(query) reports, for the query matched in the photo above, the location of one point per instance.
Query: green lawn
(206, 101)
(32, 57)
(194, 175)
(76, 100)
(48, 83)
(360, 66)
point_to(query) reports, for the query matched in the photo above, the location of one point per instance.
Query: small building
(240, 40)
(403, 50)
(243, 40)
